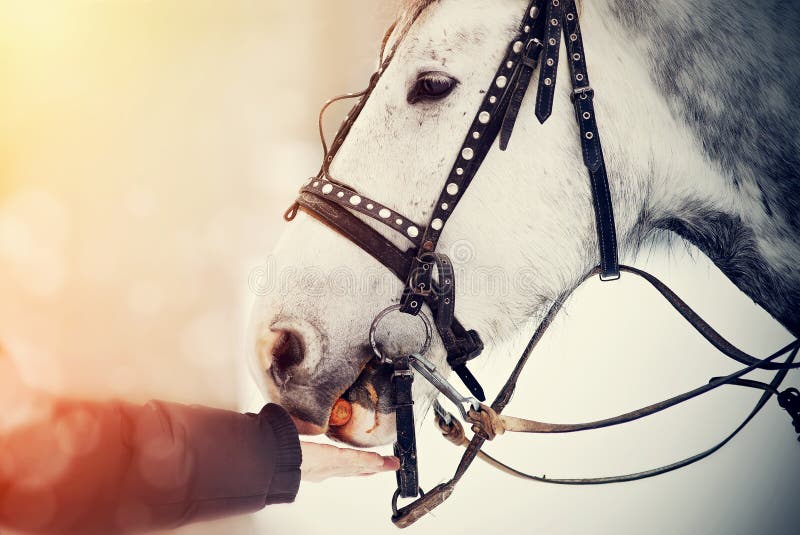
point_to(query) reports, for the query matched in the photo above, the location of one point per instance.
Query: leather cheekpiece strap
(405, 447)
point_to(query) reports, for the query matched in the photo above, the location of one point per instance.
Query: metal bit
(430, 373)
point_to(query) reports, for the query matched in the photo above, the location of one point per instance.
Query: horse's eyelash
(436, 76)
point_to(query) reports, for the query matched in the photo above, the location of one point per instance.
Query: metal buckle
(419, 285)
(532, 51)
(610, 277)
(583, 93)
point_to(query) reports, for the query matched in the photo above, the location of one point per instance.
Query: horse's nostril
(287, 351)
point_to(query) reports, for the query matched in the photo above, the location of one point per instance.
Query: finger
(373, 462)
(391, 464)
(357, 461)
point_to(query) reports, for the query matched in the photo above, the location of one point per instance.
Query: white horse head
(523, 235)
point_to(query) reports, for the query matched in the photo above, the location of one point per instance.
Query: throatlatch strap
(583, 100)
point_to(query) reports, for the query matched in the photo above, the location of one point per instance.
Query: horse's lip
(376, 370)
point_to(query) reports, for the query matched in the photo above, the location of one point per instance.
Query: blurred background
(147, 152)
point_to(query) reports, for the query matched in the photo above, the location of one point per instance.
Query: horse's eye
(431, 86)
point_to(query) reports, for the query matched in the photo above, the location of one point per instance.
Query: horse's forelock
(411, 6)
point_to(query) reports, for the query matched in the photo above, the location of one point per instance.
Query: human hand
(321, 461)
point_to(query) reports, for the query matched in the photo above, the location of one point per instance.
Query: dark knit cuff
(286, 479)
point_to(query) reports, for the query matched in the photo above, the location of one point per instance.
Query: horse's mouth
(364, 415)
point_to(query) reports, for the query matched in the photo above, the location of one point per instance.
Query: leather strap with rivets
(347, 198)
(484, 128)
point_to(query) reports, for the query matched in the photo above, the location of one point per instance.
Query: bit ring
(381, 316)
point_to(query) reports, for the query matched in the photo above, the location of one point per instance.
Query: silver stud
(553, 22)
(501, 82)
(445, 206)
(518, 47)
(573, 37)
(476, 135)
(316, 184)
(467, 153)
(534, 12)
(452, 188)
(483, 117)
(550, 62)
(413, 232)
(436, 224)
(586, 115)
(398, 221)
(492, 99)
(384, 213)
(552, 42)
(327, 188)
(527, 28)
(370, 207)
(459, 171)
(355, 200)
(340, 194)
(548, 81)
(589, 135)
(509, 64)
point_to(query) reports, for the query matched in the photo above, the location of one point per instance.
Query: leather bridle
(429, 277)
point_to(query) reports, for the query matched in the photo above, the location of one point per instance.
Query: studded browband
(334, 203)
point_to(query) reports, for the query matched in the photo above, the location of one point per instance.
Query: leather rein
(536, 45)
